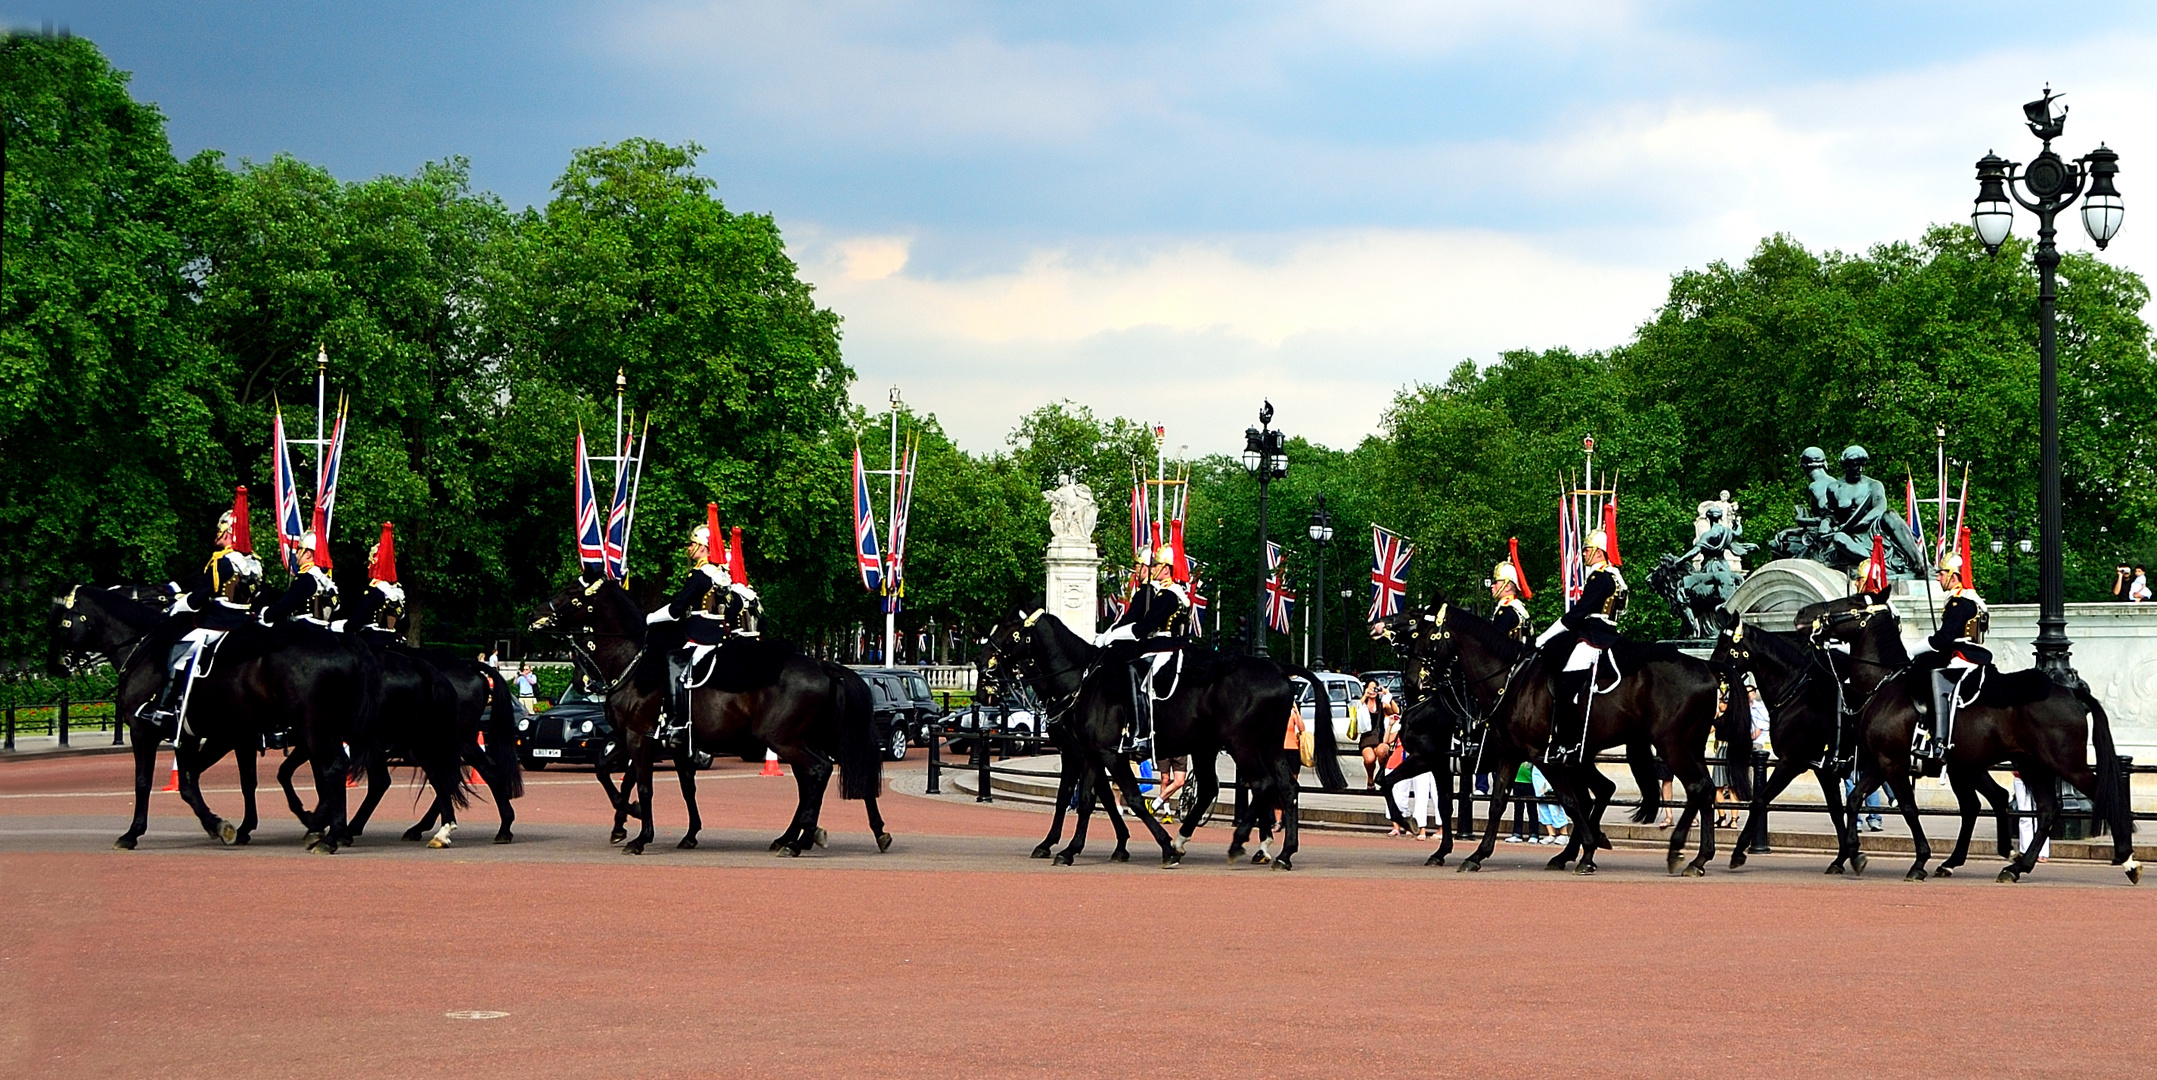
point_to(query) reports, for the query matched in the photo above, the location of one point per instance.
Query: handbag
(1308, 746)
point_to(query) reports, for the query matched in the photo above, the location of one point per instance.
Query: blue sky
(1168, 212)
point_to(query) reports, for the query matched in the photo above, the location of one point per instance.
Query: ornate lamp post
(2010, 540)
(2053, 185)
(1321, 534)
(1264, 456)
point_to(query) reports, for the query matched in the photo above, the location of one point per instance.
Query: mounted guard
(221, 601)
(1955, 652)
(1584, 635)
(1508, 585)
(715, 609)
(1150, 631)
(312, 596)
(378, 612)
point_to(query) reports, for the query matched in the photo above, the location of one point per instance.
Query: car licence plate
(546, 753)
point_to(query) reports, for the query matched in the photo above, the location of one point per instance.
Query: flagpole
(891, 614)
(636, 481)
(322, 382)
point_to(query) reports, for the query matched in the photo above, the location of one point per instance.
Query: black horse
(807, 711)
(2022, 718)
(1663, 699)
(1806, 722)
(301, 679)
(1239, 704)
(1450, 694)
(1073, 785)
(418, 724)
(486, 737)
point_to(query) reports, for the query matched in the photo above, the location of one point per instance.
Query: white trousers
(2027, 827)
(1583, 657)
(1417, 799)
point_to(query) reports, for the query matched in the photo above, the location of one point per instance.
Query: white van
(1346, 692)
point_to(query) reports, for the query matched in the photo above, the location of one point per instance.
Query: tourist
(2138, 590)
(1523, 796)
(1373, 735)
(1550, 816)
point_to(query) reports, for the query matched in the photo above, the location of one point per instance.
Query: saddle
(2007, 690)
(740, 665)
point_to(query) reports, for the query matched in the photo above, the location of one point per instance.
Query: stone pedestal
(1074, 574)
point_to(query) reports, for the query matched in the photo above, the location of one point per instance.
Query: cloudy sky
(1169, 211)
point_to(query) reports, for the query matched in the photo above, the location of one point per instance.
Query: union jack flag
(1198, 600)
(866, 555)
(591, 548)
(284, 492)
(615, 544)
(1280, 601)
(1111, 609)
(1274, 555)
(1141, 521)
(1389, 572)
(326, 484)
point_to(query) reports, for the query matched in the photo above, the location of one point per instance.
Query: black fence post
(60, 724)
(936, 758)
(10, 724)
(981, 764)
(1003, 727)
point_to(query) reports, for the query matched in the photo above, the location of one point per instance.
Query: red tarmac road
(955, 955)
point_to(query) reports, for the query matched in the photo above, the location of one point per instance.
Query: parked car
(923, 708)
(1346, 695)
(1015, 709)
(891, 708)
(573, 731)
(1391, 680)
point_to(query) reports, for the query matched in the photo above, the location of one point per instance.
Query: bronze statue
(1846, 513)
(1695, 592)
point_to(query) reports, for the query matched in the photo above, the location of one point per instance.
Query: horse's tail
(501, 729)
(1325, 753)
(861, 759)
(1734, 726)
(2106, 800)
(1651, 789)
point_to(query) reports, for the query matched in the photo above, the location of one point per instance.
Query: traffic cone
(471, 775)
(172, 783)
(771, 765)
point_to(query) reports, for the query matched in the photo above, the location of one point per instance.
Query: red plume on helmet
(384, 567)
(1513, 548)
(712, 535)
(1179, 568)
(1876, 568)
(321, 530)
(1610, 531)
(1962, 545)
(736, 568)
(242, 538)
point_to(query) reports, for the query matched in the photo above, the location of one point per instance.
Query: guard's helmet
(1950, 563)
(1504, 572)
(1598, 540)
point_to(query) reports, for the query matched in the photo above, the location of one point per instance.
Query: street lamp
(2010, 540)
(1264, 456)
(1321, 533)
(2053, 184)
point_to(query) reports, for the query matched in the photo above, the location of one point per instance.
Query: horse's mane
(612, 593)
(1792, 648)
(1483, 632)
(119, 605)
(1889, 633)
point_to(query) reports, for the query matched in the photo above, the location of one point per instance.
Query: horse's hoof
(1062, 859)
(1858, 863)
(1559, 862)
(777, 844)
(1695, 871)
(2008, 877)
(821, 836)
(125, 843)
(441, 837)
(1917, 873)
(1171, 860)
(617, 836)
(320, 846)
(414, 833)
(1469, 867)
(1042, 852)
(1119, 855)
(1437, 859)
(633, 848)
(242, 838)
(1671, 864)
(1282, 863)
(1260, 858)
(229, 833)
(1587, 869)
(1737, 859)
(2134, 872)
(311, 839)
(688, 843)
(1180, 842)
(1835, 868)
(1235, 851)
(503, 837)
(788, 852)
(883, 842)
(1945, 871)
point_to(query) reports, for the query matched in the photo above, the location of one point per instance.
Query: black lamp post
(1321, 534)
(2010, 540)
(2053, 184)
(1265, 456)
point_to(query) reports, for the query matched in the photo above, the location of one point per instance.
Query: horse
(417, 723)
(1239, 704)
(262, 680)
(1450, 693)
(811, 712)
(1078, 779)
(2024, 718)
(486, 724)
(1805, 722)
(1663, 699)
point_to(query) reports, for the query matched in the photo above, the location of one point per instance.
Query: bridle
(584, 642)
(74, 659)
(1028, 669)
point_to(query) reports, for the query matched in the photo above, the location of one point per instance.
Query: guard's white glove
(181, 606)
(665, 614)
(1549, 632)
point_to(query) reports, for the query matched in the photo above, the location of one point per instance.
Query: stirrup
(1138, 749)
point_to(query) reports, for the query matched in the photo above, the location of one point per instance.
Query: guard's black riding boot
(675, 723)
(1568, 702)
(1141, 746)
(1928, 751)
(165, 711)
